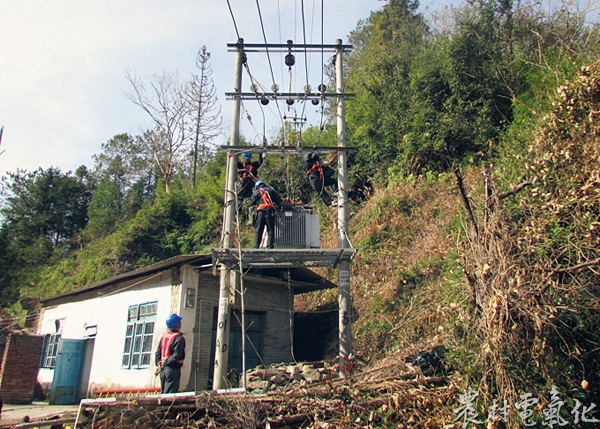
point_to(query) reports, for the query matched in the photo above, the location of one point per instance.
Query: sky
(64, 62)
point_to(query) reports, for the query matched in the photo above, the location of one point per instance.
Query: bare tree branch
(514, 190)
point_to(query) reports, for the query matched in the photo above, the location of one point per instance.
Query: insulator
(254, 88)
(264, 101)
(307, 89)
(314, 101)
(290, 60)
(322, 88)
(289, 101)
(275, 87)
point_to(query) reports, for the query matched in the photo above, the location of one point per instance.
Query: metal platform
(281, 258)
(274, 149)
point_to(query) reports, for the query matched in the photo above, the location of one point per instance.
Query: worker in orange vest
(266, 200)
(170, 354)
(248, 172)
(320, 174)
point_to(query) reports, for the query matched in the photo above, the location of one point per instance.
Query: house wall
(273, 299)
(108, 312)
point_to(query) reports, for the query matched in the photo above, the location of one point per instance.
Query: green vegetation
(502, 270)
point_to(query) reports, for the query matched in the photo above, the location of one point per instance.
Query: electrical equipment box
(297, 229)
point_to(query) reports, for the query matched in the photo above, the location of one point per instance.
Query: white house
(104, 336)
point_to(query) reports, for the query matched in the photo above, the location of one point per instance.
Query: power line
(307, 87)
(262, 26)
(253, 86)
(233, 19)
(322, 65)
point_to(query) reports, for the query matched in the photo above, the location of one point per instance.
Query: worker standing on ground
(266, 200)
(248, 172)
(320, 174)
(170, 355)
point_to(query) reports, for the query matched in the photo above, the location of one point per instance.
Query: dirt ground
(13, 414)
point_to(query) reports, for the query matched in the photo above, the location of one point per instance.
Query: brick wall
(20, 365)
(271, 299)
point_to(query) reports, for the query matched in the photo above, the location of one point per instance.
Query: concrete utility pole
(344, 297)
(227, 289)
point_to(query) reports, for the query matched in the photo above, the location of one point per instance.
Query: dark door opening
(315, 336)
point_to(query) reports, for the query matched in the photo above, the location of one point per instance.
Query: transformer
(297, 229)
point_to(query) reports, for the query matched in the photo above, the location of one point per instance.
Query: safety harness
(316, 168)
(247, 171)
(267, 203)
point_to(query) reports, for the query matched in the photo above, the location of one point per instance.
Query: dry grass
(516, 299)
(532, 266)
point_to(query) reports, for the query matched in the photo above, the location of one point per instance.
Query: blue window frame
(50, 350)
(137, 351)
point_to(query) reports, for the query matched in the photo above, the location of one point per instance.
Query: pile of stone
(278, 377)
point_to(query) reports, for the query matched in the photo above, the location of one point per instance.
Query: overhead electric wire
(262, 26)
(321, 126)
(280, 39)
(306, 88)
(247, 67)
(233, 19)
(248, 117)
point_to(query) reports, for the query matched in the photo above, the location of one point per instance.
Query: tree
(201, 92)
(124, 180)
(169, 140)
(42, 212)
(184, 115)
(379, 77)
(9, 291)
(45, 205)
(459, 105)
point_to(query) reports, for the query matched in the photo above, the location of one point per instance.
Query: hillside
(512, 292)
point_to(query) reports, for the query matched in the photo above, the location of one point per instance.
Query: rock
(294, 371)
(311, 375)
(258, 384)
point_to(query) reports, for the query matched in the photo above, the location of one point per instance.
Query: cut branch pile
(368, 400)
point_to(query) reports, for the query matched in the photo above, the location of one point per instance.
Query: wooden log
(289, 420)
(43, 423)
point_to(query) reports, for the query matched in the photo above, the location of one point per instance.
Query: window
(137, 352)
(50, 350)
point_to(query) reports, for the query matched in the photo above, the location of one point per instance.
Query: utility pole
(227, 282)
(344, 296)
(341, 257)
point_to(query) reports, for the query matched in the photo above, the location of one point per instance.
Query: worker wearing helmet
(170, 354)
(320, 175)
(266, 200)
(248, 172)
